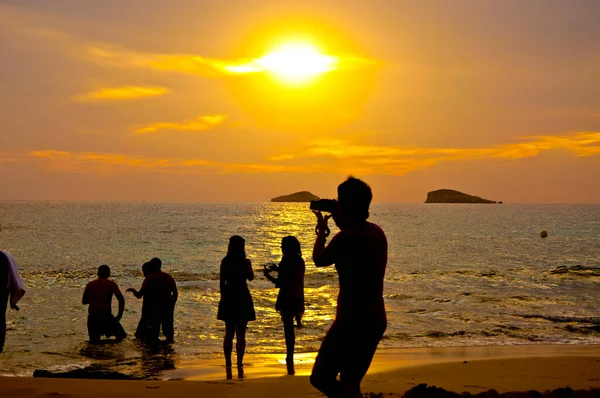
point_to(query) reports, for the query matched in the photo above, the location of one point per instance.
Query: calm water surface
(458, 275)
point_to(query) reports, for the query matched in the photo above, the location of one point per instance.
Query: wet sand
(472, 369)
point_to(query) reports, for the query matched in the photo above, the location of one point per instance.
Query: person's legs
(3, 306)
(107, 325)
(167, 326)
(228, 342)
(290, 340)
(94, 331)
(117, 330)
(152, 327)
(240, 341)
(140, 331)
(327, 365)
(363, 340)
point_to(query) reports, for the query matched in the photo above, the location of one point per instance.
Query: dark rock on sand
(302, 196)
(452, 196)
(90, 372)
(422, 391)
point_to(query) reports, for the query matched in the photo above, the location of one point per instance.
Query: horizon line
(269, 201)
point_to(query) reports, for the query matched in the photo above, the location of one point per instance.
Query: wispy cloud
(113, 163)
(400, 160)
(198, 124)
(124, 93)
(330, 157)
(117, 56)
(7, 158)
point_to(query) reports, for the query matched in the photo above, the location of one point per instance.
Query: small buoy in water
(544, 234)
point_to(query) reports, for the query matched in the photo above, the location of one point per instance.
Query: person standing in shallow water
(167, 294)
(359, 252)
(149, 324)
(290, 300)
(235, 307)
(160, 296)
(98, 294)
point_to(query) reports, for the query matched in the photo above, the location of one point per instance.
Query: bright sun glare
(296, 62)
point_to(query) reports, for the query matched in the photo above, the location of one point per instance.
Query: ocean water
(458, 275)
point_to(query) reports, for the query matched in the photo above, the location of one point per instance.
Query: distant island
(302, 196)
(452, 196)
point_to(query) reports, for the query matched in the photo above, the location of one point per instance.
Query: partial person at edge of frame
(11, 290)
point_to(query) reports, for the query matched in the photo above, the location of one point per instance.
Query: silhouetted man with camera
(359, 252)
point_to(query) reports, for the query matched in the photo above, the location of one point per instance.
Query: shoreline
(386, 360)
(393, 372)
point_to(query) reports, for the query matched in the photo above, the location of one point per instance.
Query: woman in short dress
(290, 300)
(235, 307)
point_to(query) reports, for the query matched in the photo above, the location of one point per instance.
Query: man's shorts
(104, 325)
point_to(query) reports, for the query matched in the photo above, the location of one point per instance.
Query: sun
(296, 62)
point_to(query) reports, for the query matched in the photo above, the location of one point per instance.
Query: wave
(561, 318)
(577, 270)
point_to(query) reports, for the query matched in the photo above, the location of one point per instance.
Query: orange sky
(179, 100)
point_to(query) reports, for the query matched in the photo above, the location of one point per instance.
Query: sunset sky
(231, 100)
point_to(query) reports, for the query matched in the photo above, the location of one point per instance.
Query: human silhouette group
(358, 251)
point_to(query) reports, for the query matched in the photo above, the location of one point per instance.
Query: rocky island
(302, 196)
(452, 196)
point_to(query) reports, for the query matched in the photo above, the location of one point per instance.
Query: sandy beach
(393, 372)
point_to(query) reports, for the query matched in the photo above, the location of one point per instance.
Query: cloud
(50, 33)
(323, 157)
(400, 160)
(198, 124)
(116, 56)
(124, 93)
(7, 158)
(112, 163)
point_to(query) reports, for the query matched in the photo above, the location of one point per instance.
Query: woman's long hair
(290, 246)
(236, 249)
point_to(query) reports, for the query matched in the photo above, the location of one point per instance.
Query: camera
(326, 205)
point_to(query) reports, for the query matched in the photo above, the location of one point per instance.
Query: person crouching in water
(149, 325)
(98, 294)
(290, 300)
(235, 307)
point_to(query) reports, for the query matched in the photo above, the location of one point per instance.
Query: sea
(458, 275)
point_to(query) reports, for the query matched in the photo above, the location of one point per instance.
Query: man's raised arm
(322, 256)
